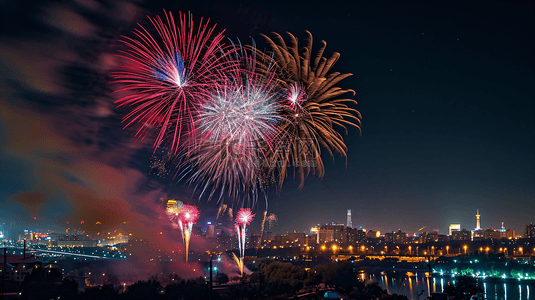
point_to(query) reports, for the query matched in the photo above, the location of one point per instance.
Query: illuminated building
(210, 231)
(293, 239)
(325, 235)
(331, 233)
(18, 267)
(429, 237)
(349, 222)
(461, 235)
(315, 231)
(110, 241)
(529, 231)
(311, 240)
(506, 233)
(389, 237)
(171, 203)
(491, 234)
(478, 224)
(400, 237)
(477, 233)
(454, 227)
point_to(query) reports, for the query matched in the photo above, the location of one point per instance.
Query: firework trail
(262, 229)
(244, 217)
(239, 263)
(168, 74)
(221, 210)
(230, 213)
(187, 216)
(272, 219)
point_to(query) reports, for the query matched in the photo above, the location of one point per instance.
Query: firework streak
(168, 74)
(244, 217)
(187, 216)
(235, 119)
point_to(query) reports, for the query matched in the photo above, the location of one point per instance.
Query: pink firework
(235, 127)
(296, 96)
(187, 216)
(168, 74)
(244, 217)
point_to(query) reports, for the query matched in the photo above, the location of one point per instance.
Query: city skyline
(455, 226)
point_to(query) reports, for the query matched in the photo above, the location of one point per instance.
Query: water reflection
(410, 284)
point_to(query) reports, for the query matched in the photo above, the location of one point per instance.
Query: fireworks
(272, 220)
(296, 96)
(314, 109)
(187, 216)
(173, 210)
(239, 263)
(168, 74)
(236, 125)
(244, 217)
(233, 118)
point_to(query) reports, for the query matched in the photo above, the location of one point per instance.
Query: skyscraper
(529, 231)
(454, 227)
(478, 225)
(477, 233)
(349, 223)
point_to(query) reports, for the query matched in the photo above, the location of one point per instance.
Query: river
(411, 284)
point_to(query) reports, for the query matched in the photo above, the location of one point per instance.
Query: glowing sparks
(168, 75)
(186, 218)
(296, 96)
(235, 126)
(244, 217)
(239, 263)
(233, 119)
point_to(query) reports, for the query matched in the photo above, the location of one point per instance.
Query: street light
(447, 250)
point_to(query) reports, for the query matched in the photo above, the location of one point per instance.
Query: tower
(349, 223)
(478, 225)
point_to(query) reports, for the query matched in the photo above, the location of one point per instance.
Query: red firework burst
(168, 74)
(244, 217)
(189, 214)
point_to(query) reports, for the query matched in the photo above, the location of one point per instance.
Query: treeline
(269, 280)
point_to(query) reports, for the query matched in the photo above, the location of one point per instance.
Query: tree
(221, 278)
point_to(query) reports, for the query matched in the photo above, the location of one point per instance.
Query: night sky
(445, 88)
